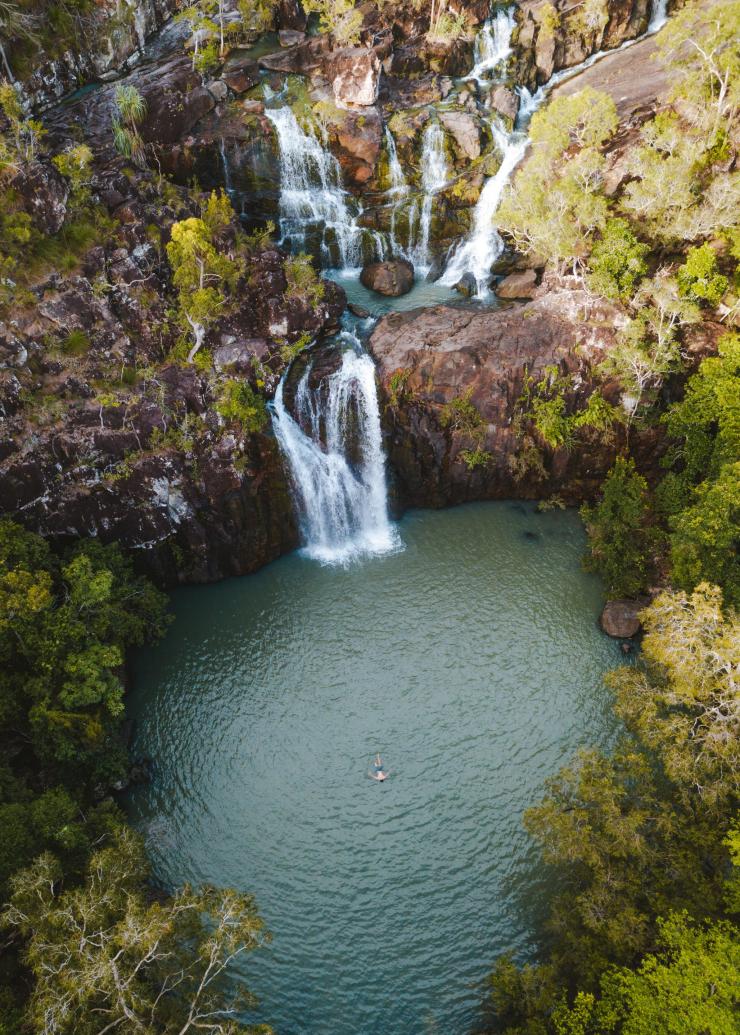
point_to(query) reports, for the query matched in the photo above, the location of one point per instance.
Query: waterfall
(493, 43)
(658, 16)
(434, 176)
(339, 485)
(312, 200)
(399, 187)
(482, 247)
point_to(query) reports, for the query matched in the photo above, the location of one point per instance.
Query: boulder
(290, 37)
(392, 278)
(467, 285)
(518, 285)
(620, 618)
(464, 129)
(301, 59)
(43, 192)
(355, 72)
(505, 101)
(240, 72)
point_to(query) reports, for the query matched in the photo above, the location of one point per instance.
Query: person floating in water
(377, 772)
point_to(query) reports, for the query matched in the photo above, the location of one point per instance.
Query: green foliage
(239, 402)
(63, 628)
(704, 536)
(446, 26)
(201, 273)
(398, 385)
(617, 261)
(699, 279)
(339, 17)
(620, 531)
(474, 458)
(105, 953)
(288, 352)
(461, 414)
(21, 145)
(130, 113)
(549, 19)
(556, 207)
(303, 282)
(75, 344)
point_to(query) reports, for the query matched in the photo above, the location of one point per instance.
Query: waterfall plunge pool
(473, 662)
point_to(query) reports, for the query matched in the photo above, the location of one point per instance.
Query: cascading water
(339, 483)
(312, 201)
(659, 15)
(493, 43)
(481, 248)
(434, 176)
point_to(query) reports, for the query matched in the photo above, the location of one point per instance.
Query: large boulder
(392, 278)
(355, 72)
(464, 128)
(621, 618)
(518, 285)
(505, 101)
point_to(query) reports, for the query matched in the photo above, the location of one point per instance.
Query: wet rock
(291, 15)
(393, 278)
(290, 37)
(467, 285)
(356, 142)
(359, 311)
(464, 128)
(518, 285)
(355, 72)
(620, 618)
(506, 102)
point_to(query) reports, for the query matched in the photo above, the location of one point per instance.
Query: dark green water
(472, 660)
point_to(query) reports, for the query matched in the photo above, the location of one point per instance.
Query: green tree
(105, 957)
(621, 533)
(699, 279)
(617, 261)
(341, 18)
(202, 275)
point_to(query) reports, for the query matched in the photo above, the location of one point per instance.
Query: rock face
(355, 72)
(541, 49)
(112, 38)
(620, 618)
(518, 285)
(393, 278)
(464, 129)
(428, 359)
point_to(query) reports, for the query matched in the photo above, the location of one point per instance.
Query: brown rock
(505, 102)
(43, 193)
(392, 278)
(355, 72)
(464, 128)
(620, 618)
(290, 37)
(518, 285)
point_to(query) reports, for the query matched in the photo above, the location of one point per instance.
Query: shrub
(239, 402)
(303, 282)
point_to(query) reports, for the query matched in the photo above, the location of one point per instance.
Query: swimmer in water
(377, 772)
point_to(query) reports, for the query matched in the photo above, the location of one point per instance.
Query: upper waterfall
(339, 483)
(312, 200)
(493, 43)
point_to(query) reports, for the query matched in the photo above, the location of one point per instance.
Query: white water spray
(481, 248)
(659, 15)
(311, 197)
(493, 44)
(339, 484)
(434, 176)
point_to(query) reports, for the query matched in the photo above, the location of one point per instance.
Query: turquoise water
(472, 660)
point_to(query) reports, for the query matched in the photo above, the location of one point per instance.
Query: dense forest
(644, 841)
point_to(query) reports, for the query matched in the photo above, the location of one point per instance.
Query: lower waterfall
(338, 479)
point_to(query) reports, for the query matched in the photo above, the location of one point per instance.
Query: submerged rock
(620, 618)
(393, 278)
(467, 285)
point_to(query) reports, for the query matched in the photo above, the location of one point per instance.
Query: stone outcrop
(354, 72)
(428, 359)
(392, 278)
(621, 618)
